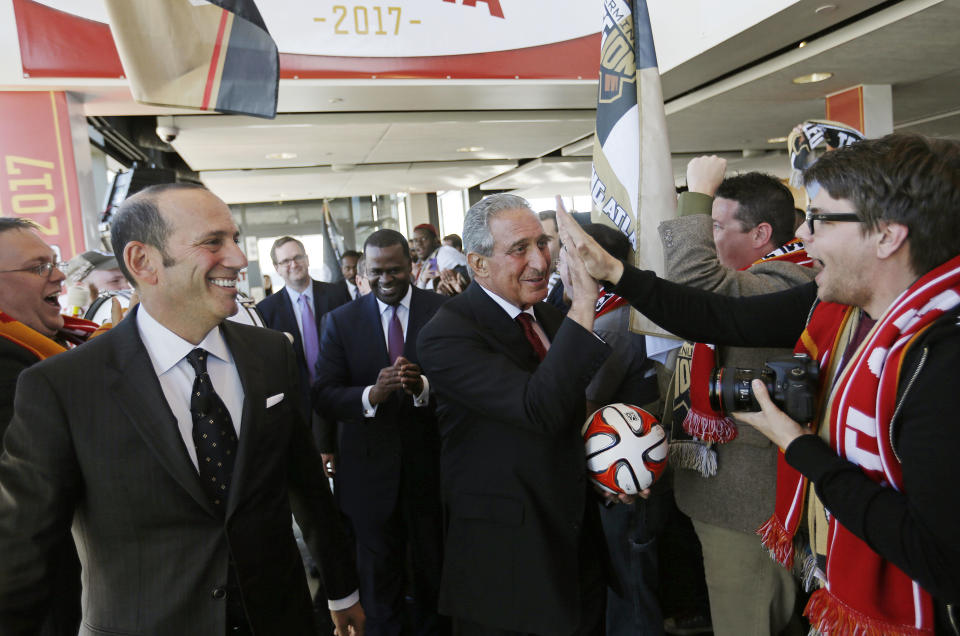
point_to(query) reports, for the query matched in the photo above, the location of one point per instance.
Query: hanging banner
(204, 54)
(38, 175)
(525, 39)
(632, 179)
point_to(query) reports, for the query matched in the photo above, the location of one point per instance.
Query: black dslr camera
(791, 382)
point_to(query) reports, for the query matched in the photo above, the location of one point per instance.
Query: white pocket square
(274, 399)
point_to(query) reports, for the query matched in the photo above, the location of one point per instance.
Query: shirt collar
(166, 348)
(295, 295)
(404, 302)
(512, 310)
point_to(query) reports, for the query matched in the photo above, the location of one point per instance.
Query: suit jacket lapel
(132, 380)
(371, 324)
(497, 327)
(254, 407)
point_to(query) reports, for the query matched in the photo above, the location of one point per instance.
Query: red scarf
(702, 421)
(607, 302)
(863, 593)
(74, 331)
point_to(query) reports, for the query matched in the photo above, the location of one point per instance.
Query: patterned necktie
(311, 341)
(213, 434)
(526, 323)
(395, 336)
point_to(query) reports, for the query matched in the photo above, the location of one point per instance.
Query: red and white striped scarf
(863, 594)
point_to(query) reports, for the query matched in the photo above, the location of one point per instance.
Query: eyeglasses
(43, 269)
(287, 262)
(830, 216)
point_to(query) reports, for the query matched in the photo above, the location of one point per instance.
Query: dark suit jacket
(94, 442)
(372, 449)
(512, 462)
(277, 311)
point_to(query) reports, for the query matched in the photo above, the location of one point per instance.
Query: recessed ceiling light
(812, 78)
(777, 140)
(470, 149)
(802, 44)
(282, 155)
(335, 100)
(825, 8)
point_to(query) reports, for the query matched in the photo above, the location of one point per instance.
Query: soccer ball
(626, 448)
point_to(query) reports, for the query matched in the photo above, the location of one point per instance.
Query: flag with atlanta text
(206, 54)
(632, 179)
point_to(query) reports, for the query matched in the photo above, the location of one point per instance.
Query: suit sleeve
(464, 367)
(313, 505)
(334, 396)
(690, 258)
(39, 485)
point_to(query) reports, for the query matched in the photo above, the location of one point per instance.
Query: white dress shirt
(352, 290)
(386, 315)
(513, 311)
(168, 354)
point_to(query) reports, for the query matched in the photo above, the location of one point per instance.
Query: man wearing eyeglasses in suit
(31, 329)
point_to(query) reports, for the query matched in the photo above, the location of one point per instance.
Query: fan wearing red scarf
(883, 321)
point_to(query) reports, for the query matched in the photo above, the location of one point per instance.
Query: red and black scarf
(863, 593)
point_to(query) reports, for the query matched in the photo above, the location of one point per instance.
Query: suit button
(219, 593)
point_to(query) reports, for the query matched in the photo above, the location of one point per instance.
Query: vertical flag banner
(205, 54)
(632, 179)
(333, 244)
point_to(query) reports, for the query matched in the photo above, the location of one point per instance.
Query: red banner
(38, 176)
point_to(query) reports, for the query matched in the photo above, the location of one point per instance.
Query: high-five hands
(598, 263)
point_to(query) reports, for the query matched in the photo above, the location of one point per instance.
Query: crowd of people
(153, 467)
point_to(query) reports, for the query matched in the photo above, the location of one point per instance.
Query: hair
(428, 228)
(476, 223)
(548, 214)
(762, 199)
(456, 240)
(386, 238)
(906, 179)
(15, 223)
(283, 240)
(350, 254)
(139, 219)
(610, 239)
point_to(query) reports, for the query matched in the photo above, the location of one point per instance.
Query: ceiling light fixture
(282, 155)
(777, 140)
(802, 44)
(470, 149)
(825, 8)
(812, 78)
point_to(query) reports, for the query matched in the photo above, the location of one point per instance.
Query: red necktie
(526, 323)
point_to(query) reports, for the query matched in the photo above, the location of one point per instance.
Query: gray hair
(476, 223)
(16, 223)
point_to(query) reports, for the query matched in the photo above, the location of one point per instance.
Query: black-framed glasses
(287, 262)
(830, 216)
(43, 269)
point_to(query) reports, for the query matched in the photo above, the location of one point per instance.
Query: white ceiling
(382, 136)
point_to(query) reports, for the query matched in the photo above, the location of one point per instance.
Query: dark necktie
(311, 340)
(526, 323)
(395, 336)
(213, 434)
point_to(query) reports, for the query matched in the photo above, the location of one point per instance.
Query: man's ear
(142, 262)
(478, 263)
(892, 236)
(762, 234)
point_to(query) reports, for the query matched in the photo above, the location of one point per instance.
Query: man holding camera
(733, 236)
(883, 323)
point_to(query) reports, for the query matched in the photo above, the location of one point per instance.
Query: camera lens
(730, 389)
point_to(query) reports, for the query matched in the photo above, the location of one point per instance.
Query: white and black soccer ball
(626, 448)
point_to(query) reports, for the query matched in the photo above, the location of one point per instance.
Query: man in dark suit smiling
(523, 540)
(175, 447)
(387, 479)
